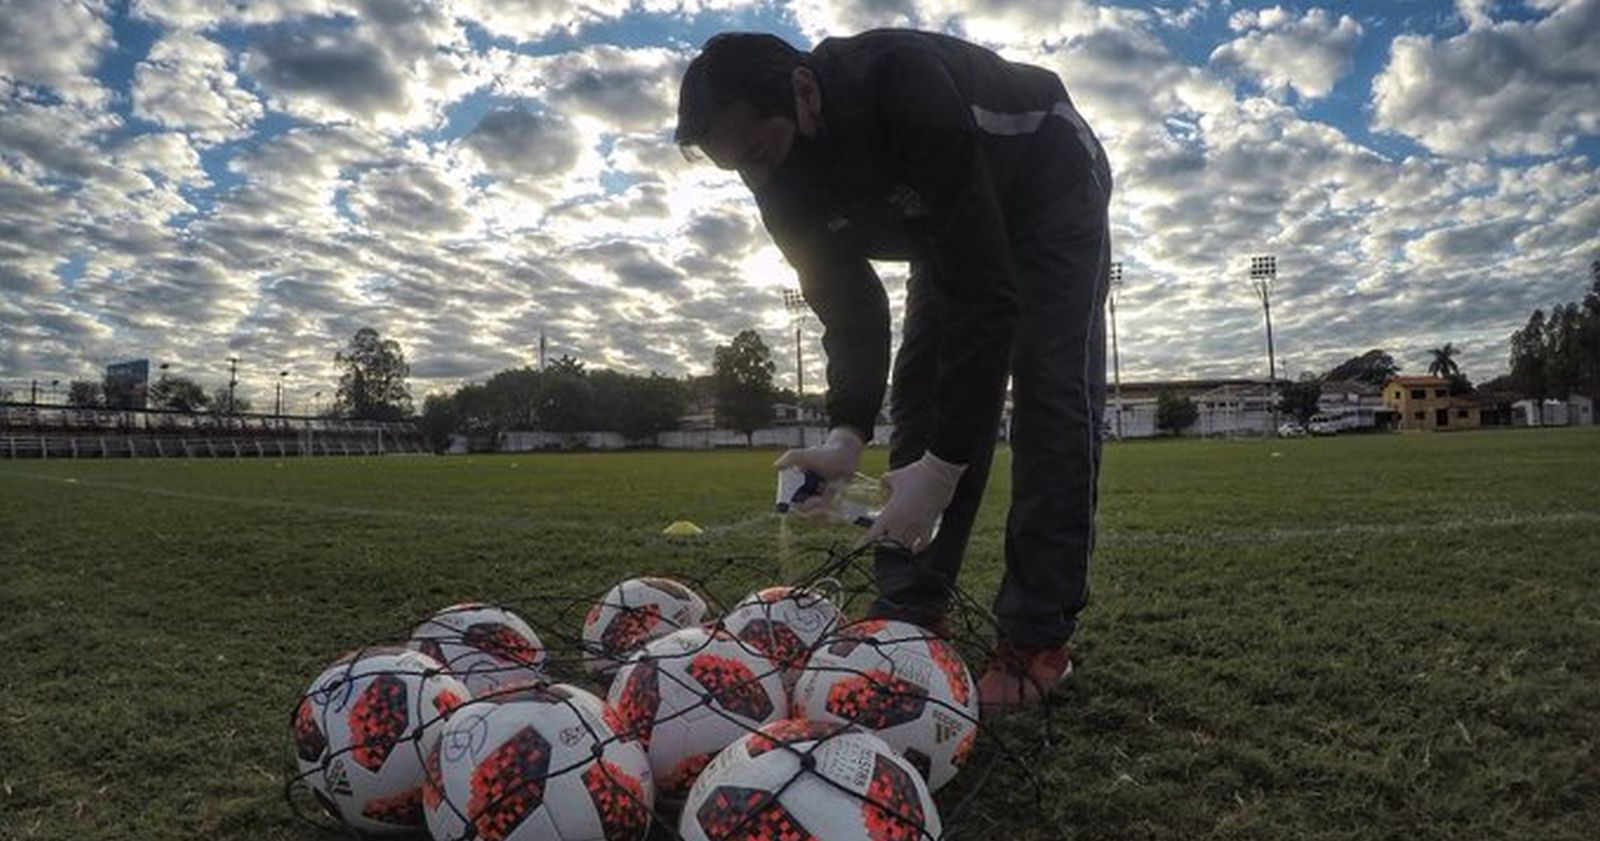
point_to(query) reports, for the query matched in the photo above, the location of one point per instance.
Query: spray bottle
(856, 499)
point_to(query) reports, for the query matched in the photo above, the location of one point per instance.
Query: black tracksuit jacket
(929, 146)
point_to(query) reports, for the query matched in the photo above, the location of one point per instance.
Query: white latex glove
(835, 460)
(918, 494)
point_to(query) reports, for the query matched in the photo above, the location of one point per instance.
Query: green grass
(1379, 637)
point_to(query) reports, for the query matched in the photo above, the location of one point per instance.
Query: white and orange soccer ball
(536, 763)
(690, 694)
(632, 614)
(483, 645)
(901, 682)
(809, 781)
(785, 624)
(361, 732)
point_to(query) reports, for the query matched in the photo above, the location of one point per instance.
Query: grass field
(1388, 637)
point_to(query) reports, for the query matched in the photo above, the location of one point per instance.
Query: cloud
(409, 200)
(994, 23)
(633, 266)
(390, 64)
(327, 74)
(610, 89)
(1309, 53)
(57, 140)
(185, 83)
(567, 207)
(1504, 88)
(531, 20)
(54, 45)
(517, 143)
(209, 14)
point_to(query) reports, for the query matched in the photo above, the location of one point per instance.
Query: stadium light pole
(1116, 358)
(1263, 273)
(53, 384)
(233, 382)
(796, 304)
(278, 403)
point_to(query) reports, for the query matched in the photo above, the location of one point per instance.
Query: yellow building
(1425, 404)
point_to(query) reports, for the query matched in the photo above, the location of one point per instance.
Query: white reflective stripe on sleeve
(1009, 124)
(1000, 122)
(1065, 111)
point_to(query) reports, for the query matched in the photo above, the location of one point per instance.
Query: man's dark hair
(749, 67)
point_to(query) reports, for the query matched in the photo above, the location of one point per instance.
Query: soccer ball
(809, 781)
(784, 623)
(485, 646)
(361, 732)
(901, 682)
(633, 613)
(536, 763)
(687, 696)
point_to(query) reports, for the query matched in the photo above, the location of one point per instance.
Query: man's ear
(807, 101)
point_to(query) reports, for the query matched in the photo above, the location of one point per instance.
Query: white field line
(1271, 535)
(1106, 535)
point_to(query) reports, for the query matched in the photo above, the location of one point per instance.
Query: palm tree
(1443, 364)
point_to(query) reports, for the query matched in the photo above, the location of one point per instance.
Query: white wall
(677, 439)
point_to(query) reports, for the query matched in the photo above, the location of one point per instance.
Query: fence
(42, 431)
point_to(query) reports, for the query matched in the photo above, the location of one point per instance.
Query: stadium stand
(30, 430)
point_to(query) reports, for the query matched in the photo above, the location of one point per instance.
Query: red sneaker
(1019, 677)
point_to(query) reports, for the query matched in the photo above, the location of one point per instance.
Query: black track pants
(1062, 254)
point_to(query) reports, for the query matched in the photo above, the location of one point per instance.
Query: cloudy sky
(187, 180)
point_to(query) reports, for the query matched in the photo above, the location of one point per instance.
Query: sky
(186, 181)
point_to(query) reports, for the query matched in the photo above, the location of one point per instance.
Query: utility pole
(1116, 358)
(233, 381)
(1263, 273)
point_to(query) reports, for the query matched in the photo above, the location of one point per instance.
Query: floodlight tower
(1116, 358)
(1263, 273)
(278, 406)
(233, 382)
(795, 303)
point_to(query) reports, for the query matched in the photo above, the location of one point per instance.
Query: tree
(1298, 400)
(85, 394)
(441, 417)
(510, 400)
(565, 398)
(222, 399)
(1444, 363)
(742, 378)
(1373, 367)
(651, 405)
(372, 385)
(178, 394)
(637, 407)
(1589, 336)
(1530, 362)
(1563, 345)
(1175, 414)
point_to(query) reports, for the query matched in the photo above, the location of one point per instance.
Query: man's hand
(918, 494)
(834, 460)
